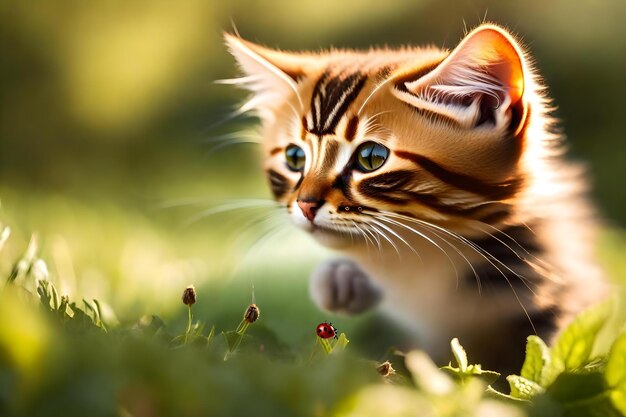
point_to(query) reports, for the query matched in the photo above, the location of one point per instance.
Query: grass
(60, 356)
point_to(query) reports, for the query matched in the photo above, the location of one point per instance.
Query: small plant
(194, 332)
(385, 369)
(326, 332)
(69, 313)
(234, 338)
(464, 371)
(570, 379)
(189, 299)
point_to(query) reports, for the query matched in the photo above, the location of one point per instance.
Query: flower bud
(189, 296)
(385, 369)
(252, 313)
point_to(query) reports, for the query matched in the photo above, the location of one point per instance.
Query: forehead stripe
(351, 128)
(331, 98)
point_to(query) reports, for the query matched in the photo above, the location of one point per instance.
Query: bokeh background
(111, 134)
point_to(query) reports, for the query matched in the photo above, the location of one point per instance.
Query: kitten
(439, 176)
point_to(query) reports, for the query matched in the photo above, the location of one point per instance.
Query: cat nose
(309, 207)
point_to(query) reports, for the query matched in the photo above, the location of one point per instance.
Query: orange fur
(472, 154)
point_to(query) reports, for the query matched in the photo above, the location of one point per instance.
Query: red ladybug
(326, 331)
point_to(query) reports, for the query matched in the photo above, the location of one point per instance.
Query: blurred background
(111, 130)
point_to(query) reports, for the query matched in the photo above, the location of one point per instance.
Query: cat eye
(371, 156)
(295, 157)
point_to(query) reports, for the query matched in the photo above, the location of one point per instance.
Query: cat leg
(341, 286)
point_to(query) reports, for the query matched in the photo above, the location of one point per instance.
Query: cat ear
(481, 80)
(270, 75)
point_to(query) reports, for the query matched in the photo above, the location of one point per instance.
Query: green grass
(65, 356)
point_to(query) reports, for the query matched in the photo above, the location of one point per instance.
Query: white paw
(341, 286)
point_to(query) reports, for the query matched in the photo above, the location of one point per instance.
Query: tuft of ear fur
(479, 81)
(270, 75)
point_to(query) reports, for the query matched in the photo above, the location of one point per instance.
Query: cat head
(356, 142)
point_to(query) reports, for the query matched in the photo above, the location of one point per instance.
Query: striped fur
(478, 226)
(331, 98)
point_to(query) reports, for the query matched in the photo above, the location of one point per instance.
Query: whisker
(239, 205)
(231, 115)
(256, 221)
(266, 235)
(541, 261)
(373, 235)
(273, 223)
(192, 201)
(225, 144)
(390, 214)
(241, 135)
(368, 240)
(360, 232)
(459, 252)
(396, 235)
(469, 243)
(486, 255)
(384, 236)
(383, 217)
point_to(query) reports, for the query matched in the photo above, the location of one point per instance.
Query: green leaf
(615, 373)
(341, 342)
(54, 295)
(582, 394)
(459, 354)
(572, 388)
(233, 339)
(62, 311)
(325, 344)
(465, 371)
(488, 376)
(574, 346)
(90, 311)
(523, 388)
(537, 360)
(43, 289)
(99, 314)
(211, 335)
(502, 396)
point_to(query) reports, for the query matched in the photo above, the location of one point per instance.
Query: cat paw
(341, 286)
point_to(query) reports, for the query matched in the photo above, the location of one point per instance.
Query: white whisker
(366, 238)
(541, 261)
(237, 205)
(384, 236)
(373, 235)
(486, 255)
(396, 235)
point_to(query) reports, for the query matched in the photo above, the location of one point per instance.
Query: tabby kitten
(439, 177)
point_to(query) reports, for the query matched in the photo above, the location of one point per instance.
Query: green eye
(295, 157)
(371, 156)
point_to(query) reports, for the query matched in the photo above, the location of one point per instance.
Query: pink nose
(309, 208)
